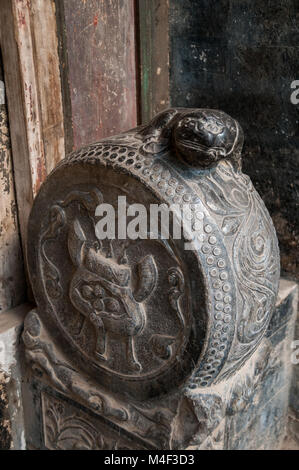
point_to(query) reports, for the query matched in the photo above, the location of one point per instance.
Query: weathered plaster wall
(242, 57)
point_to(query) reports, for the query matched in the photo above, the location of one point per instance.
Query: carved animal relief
(106, 296)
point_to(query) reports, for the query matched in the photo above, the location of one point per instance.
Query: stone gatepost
(150, 342)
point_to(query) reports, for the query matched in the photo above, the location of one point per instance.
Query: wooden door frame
(29, 48)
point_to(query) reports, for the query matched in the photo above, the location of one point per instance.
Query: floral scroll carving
(249, 232)
(66, 428)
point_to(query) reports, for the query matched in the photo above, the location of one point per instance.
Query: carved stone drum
(125, 327)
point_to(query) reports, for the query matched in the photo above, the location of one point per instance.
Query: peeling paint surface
(12, 284)
(33, 118)
(100, 39)
(43, 22)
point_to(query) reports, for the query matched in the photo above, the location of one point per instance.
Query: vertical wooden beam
(23, 35)
(46, 61)
(64, 76)
(17, 116)
(31, 66)
(12, 282)
(154, 57)
(100, 41)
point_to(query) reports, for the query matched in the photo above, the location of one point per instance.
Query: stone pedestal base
(247, 411)
(256, 399)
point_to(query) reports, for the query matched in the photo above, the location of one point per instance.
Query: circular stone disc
(131, 313)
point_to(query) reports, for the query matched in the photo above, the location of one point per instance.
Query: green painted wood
(154, 57)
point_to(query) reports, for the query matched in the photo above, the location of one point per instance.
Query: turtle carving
(101, 290)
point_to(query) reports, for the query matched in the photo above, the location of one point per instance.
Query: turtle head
(202, 137)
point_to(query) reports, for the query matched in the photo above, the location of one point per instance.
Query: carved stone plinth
(129, 332)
